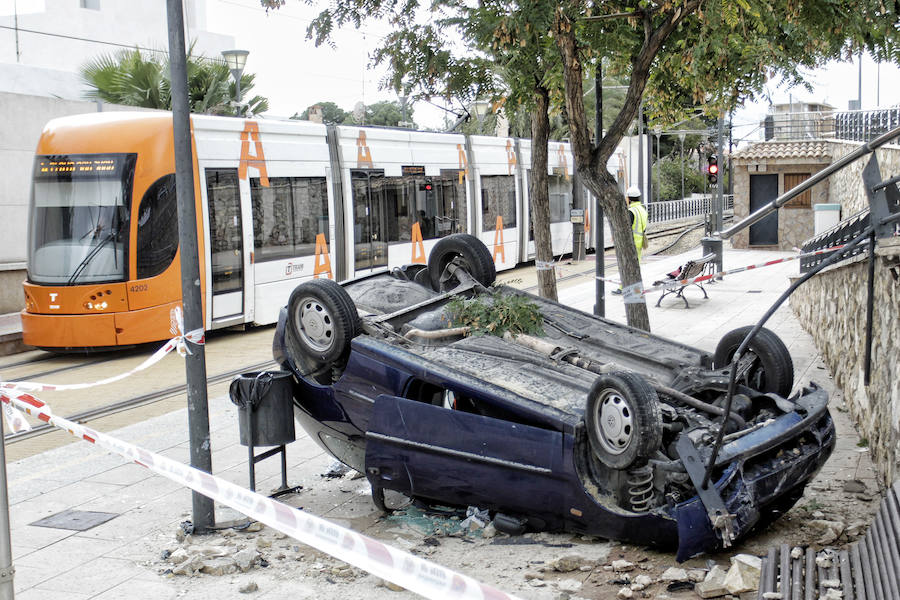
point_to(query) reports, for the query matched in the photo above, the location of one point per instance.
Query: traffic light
(712, 169)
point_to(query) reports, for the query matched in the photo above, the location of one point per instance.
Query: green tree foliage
(135, 78)
(331, 113)
(387, 113)
(669, 170)
(684, 54)
(696, 53)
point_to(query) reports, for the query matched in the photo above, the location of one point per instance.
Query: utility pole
(195, 360)
(599, 243)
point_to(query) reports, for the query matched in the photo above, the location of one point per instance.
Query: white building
(43, 44)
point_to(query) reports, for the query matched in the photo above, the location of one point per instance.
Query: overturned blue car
(587, 426)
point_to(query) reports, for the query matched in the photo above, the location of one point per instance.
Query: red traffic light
(712, 169)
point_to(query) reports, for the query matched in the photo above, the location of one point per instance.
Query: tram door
(370, 232)
(226, 243)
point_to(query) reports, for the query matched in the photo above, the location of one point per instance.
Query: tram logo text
(291, 268)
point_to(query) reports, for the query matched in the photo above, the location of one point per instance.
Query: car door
(462, 458)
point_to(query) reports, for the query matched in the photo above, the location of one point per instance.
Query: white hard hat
(633, 192)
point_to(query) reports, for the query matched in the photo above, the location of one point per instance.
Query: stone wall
(832, 308)
(794, 224)
(847, 186)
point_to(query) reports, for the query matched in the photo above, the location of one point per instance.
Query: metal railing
(674, 210)
(854, 125)
(838, 235)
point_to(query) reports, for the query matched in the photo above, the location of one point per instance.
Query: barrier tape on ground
(413, 573)
(177, 343)
(673, 283)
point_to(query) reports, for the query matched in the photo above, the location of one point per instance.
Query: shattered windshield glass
(79, 219)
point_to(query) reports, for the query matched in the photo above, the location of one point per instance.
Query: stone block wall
(847, 186)
(832, 308)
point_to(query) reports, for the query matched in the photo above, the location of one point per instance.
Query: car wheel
(769, 367)
(462, 250)
(624, 423)
(323, 319)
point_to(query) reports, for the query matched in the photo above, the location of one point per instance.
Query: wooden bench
(689, 270)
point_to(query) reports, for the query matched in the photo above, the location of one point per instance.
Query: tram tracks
(35, 376)
(135, 402)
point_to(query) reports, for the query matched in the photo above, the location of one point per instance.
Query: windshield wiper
(90, 256)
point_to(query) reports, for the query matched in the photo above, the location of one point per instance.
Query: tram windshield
(78, 230)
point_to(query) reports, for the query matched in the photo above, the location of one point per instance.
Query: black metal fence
(838, 235)
(864, 126)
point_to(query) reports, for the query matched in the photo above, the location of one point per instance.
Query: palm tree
(133, 78)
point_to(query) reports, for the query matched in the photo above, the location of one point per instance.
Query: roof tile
(817, 149)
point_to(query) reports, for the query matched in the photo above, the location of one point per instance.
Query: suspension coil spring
(640, 489)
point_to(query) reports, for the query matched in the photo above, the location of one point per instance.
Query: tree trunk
(591, 162)
(539, 194)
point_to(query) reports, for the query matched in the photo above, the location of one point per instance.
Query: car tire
(772, 369)
(322, 319)
(623, 420)
(466, 251)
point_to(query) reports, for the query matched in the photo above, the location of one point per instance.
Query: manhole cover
(76, 520)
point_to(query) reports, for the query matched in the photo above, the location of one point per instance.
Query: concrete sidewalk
(122, 557)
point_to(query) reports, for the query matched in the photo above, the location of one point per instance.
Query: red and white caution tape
(411, 572)
(177, 343)
(673, 283)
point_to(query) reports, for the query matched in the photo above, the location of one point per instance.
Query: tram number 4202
(140, 287)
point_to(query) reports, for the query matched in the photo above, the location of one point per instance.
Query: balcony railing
(855, 125)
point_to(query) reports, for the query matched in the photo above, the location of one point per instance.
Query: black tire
(624, 423)
(772, 369)
(322, 319)
(466, 251)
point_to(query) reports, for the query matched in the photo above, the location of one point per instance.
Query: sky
(294, 74)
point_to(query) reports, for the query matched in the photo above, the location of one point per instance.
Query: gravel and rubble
(257, 561)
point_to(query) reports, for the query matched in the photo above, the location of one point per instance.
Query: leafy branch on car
(496, 314)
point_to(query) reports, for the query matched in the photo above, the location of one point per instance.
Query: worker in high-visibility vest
(639, 219)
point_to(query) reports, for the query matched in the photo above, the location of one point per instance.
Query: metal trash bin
(269, 396)
(265, 402)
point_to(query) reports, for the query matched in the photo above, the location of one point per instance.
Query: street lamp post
(236, 59)
(681, 143)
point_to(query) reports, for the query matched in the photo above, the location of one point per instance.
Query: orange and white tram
(278, 202)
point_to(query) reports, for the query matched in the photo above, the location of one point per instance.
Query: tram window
(437, 204)
(498, 198)
(451, 203)
(400, 204)
(157, 233)
(560, 198)
(288, 215)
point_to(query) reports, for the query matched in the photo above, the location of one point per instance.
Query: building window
(792, 180)
(90, 4)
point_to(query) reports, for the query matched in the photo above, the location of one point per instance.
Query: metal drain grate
(868, 570)
(76, 520)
